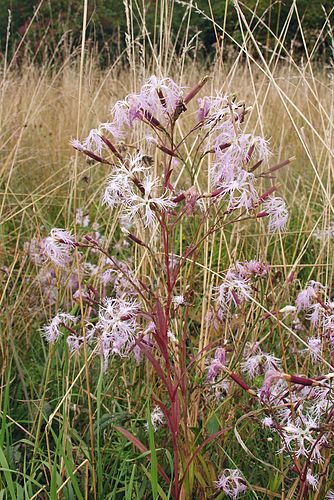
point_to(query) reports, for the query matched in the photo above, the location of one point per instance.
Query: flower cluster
(302, 421)
(154, 105)
(233, 149)
(143, 314)
(298, 409)
(301, 436)
(115, 332)
(158, 105)
(54, 259)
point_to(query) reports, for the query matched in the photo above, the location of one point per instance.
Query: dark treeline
(61, 20)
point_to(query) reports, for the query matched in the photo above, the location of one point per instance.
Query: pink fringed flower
(118, 327)
(217, 364)
(93, 142)
(52, 331)
(277, 211)
(256, 268)
(271, 377)
(204, 108)
(232, 482)
(312, 479)
(241, 191)
(62, 236)
(305, 298)
(301, 437)
(56, 252)
(234, 290)
(147, 203)
(162, 92)
(314, 349)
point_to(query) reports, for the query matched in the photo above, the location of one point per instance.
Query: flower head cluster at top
(155, 105)
(236, 155)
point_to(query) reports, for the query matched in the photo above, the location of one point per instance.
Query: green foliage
(107, 23)
(61, 20)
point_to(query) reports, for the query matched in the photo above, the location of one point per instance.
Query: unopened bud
(256, 165)
(295, 379)
(95, 157)
(161, 97)
(266, 195)
(261, 214)
(224, 146)
(194, 91)
(249, 153)
(281, 164)
(133, 238)
(240, 382)
(152, 120)
(166, 150)
(179, 198)
(217, 192)
(111, 147)
(90, 239)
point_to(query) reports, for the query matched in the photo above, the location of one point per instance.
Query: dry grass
(293, 108)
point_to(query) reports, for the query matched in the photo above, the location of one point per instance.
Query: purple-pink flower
(217, 364)
(232, 482)
(313, 349)
(305, 298)
(57, 252)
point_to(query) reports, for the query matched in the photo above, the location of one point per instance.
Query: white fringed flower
(278, 213)
(147, 203)
(52, 332)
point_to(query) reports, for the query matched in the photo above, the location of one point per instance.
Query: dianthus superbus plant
(171, 189)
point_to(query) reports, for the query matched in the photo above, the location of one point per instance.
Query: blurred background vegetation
(59, 22)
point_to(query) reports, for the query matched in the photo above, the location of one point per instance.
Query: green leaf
(7, 474)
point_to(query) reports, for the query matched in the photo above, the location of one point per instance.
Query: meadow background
(62, 66)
